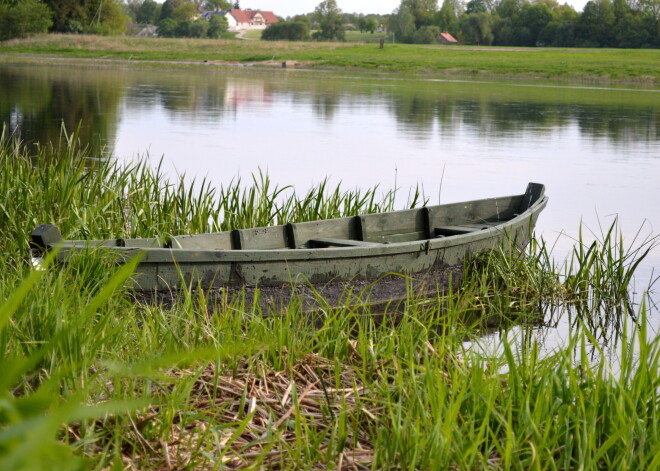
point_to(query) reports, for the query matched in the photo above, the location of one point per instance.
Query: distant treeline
(180, 18)
(602, 23)
(20, 18)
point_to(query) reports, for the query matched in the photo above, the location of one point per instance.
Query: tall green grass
(99, 198)
(91, 379)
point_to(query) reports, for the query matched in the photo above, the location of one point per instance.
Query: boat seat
(447, 231)
(330, 242)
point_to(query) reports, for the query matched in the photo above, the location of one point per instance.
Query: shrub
(426, 35)
(286, 30)
(25, 18)
(217, 26)
(167, 28)
(198, 28)
(183, 29)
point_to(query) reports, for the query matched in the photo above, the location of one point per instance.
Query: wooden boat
(430, 239)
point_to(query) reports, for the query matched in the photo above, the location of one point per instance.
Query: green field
(93, 378)
(587, 65)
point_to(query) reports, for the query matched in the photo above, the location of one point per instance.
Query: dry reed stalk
(265, 402)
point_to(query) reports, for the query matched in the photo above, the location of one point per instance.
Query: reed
(92, 379)
(99, 198)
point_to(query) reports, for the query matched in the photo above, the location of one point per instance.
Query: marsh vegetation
(93, 379)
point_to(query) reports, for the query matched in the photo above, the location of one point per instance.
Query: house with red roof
(249, 19)
(446, 38)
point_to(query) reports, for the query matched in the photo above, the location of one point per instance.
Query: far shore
(587, 66)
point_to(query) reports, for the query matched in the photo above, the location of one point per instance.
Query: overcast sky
(293, 7)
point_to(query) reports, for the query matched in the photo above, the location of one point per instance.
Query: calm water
(597, 150)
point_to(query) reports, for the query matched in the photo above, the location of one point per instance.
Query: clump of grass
(598, 278)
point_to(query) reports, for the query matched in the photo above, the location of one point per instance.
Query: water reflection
(36, 101)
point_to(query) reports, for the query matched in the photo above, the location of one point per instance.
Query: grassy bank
(599, 65)
(93, 380)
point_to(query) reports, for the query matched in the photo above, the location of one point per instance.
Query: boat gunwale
(159, 255)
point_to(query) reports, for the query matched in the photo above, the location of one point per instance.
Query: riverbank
(576, 65)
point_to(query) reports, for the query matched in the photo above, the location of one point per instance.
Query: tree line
(20, 18)
(602, 23)
(327, 21)
(174, 18)
(529, 23)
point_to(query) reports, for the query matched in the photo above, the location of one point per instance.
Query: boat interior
(356, 231)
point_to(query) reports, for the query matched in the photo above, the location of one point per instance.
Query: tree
(422, 10)
(5, 32)
(508, 8)
(25, 18)
(217, 5)
(329, 17)
(148, 13)
(92, 16)
(132, 7)
(217, 26)
(477, 28)
(426, 35)
(560, 31)
(70, 16)
(596, 23)
(167, 28)
(632, 32)
(178, 10)
(182, 29)
(402, 24)
(447, 17)
(475, 6)
(651, 7)
(371, 25)
(534, 18)
(304, 18)
(108, 18)
(198, 28)
(367, 24)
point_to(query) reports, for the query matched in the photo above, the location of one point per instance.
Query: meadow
(94, 378)
(585, 65)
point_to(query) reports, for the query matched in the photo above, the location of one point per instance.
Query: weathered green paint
(367, 246)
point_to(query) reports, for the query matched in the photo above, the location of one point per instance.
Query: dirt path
(241, 35)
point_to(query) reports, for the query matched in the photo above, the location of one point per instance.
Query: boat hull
(419, 241)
